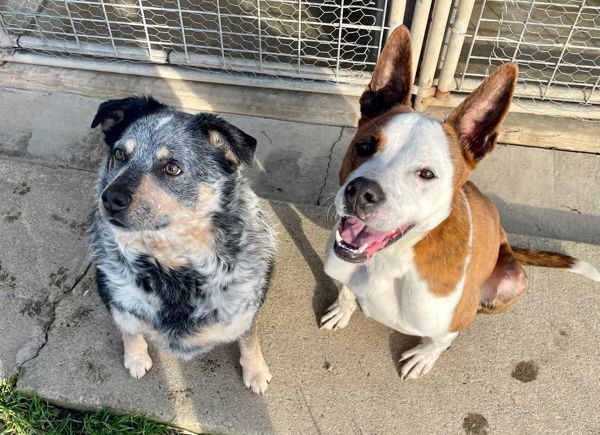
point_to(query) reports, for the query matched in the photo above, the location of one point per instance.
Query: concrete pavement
(533, 369)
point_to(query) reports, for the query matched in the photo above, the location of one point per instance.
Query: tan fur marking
(188, 236)
(440, 256)
(217, 139)
(163, 153)
(220, 333)
(484, 254)
(129, 146)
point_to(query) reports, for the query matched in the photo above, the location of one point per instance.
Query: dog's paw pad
(256, 376)
(138, 365)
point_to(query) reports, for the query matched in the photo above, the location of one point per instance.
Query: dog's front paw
(256, 375)
(138, 364)
(338, 315)
(420, 359)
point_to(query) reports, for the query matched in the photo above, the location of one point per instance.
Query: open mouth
(356, 242)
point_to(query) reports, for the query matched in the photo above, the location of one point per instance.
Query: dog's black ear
(391, 81)
(114, 116)
(477, 119)
(237, 146)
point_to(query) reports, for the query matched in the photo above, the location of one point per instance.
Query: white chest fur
(390, 290)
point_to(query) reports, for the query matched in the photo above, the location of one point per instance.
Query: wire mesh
(556, 44)
(337, 40)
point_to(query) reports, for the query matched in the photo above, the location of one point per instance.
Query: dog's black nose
(363, 195)
(115, 200)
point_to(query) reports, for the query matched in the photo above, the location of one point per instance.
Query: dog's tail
(532, 257)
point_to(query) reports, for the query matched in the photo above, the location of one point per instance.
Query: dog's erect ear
(391, 81)
(477, 119)
(114, 116)
(237, 146)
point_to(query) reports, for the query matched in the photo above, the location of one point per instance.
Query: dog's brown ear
(477, 119)
(391, 81)
(237, 146)
(114, 116)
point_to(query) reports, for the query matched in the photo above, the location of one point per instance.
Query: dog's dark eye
(172, 169)
(119, 154)
(366, 147)
(426, 174)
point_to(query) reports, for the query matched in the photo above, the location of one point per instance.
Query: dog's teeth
(338, 236)
(363, 248)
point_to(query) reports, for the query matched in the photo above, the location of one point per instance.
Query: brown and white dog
(419, 247)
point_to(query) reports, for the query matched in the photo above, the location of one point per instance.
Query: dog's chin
(356, 242)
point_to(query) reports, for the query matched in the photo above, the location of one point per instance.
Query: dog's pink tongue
(356, 233)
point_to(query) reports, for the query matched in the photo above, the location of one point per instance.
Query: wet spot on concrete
(6, 279)
(22, 189)
(58, 278)
(475, 424)
(525, 371)
(12, 216)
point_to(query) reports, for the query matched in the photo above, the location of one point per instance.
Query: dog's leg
(421, 358)
(255, 371)
(505, 285)
(339, 313)
(137, 360)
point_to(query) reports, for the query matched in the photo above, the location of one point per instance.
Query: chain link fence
(556, 44)
(318, 39)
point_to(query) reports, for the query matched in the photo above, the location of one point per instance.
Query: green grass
(24, 414)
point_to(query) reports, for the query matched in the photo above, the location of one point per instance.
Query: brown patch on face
(129, 146)
(189, 234)
(367, 129)
(163, 153)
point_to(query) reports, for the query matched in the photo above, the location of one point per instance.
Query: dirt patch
(72, 224)
(210, 364)
(6, 279)
(33, 308)
(78, 316)
(12, 217)
(475, 424)
(58, 278)
(21, 189)
(178, 395)
(525, 371)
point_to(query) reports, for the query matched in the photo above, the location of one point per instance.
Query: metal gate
(329, 45)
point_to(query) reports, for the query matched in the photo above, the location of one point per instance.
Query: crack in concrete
(50, 323)
(329, 165)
